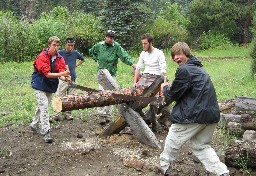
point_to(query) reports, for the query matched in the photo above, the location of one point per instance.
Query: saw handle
(67, 78)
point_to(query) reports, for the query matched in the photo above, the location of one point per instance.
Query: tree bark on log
(248, 122)
(97, 99)
(249, 136)
(226, 118)
(245, 104)
(241, 154)
(235, 129)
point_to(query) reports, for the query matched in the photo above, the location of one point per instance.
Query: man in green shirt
(106, 54)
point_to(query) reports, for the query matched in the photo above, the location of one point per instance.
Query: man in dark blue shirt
(70, 55)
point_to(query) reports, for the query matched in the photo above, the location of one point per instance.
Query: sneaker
(225, 174)
(48, 138)
(168, 171)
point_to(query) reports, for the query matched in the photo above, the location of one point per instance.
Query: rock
(134, 163)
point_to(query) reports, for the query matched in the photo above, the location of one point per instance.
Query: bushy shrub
(13, 38)
(170, 26)
(166, 33)
(53, 23)
(87, 29)
(213, 40)
(23, 41)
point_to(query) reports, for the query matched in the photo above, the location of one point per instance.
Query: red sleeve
(42, 63)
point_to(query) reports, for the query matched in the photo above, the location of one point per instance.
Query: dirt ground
(78, 151)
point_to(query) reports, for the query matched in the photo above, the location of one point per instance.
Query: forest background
(27, 24)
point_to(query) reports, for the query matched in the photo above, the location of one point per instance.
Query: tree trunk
(247, 23)
(241, 154)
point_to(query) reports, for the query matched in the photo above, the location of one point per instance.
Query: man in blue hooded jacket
(195, 114)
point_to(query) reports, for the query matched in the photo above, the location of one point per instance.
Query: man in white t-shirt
(154, 62)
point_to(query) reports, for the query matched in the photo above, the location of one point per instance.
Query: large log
(241, 154)
(245, 104)
(97, 99)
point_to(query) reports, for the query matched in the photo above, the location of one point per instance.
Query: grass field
(230, 75)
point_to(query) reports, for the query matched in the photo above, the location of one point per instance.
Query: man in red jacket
(49, 67)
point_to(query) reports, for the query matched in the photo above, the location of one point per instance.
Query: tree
(170, 26)
(128, 18)
(253, 51)
(247, 22)
(216, 15)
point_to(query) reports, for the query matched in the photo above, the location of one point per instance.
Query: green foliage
(253, 50)
(229, 53)
(214, 40)
(169, 27)
(22, 41)
(253, 56)
(13, 38)
(129, 18)
(54, 23)
(86, 28)
(215, 15)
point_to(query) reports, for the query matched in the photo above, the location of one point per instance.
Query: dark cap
(70, 40)
(110, 33)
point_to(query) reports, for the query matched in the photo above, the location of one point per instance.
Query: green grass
(236, 51)
(231, 78)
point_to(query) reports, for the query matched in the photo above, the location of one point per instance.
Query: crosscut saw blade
(83, 88)
(136, 98)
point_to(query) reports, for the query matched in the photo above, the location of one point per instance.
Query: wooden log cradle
(128, 115)
(116, 126)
